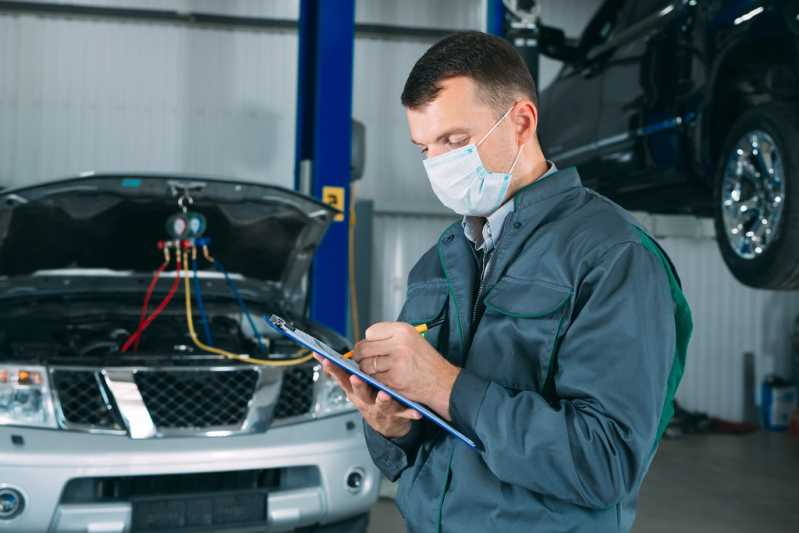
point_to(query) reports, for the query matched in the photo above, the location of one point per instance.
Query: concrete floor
(703, 484)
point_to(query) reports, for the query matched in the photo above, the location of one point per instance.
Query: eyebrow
(444, 135)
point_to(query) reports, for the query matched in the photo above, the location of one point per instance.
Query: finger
(410, 414)
(380, 331)
(339, 375)
(393, 407)
(384, 398)
(375, 348)
(357, 351)
(376, 365)
(362, 390)
(318, 357)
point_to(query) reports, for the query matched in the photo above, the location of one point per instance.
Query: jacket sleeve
(594, 444)
(393, 455)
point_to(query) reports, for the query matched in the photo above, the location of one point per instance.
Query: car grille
(188, 400)
(179, 399)
(296, 393)
(82, 400)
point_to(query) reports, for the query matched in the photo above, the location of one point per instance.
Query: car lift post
(495, 18)
(322, 150)
(519, 32)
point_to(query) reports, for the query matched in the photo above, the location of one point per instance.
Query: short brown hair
(499, 71)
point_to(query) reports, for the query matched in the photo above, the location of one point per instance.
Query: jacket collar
(542, 200)
(544, 188)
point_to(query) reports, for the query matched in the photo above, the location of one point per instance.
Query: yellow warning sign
(334, 197)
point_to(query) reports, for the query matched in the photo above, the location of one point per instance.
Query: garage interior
(304, 96)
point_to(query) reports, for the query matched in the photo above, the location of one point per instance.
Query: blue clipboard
(315, 345)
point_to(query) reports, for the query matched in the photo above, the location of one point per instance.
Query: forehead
(457, 106)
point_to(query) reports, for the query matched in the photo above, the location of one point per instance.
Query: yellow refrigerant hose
(228, 355)
(355, 312)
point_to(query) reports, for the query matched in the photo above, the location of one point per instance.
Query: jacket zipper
(479, 291)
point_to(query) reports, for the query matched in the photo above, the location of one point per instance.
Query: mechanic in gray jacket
(565, 331)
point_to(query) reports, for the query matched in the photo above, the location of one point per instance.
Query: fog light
(355, 480)
(12, 503)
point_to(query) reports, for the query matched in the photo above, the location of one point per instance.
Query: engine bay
(93, 332)
(170, 301)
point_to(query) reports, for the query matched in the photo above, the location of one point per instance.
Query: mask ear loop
(495, 126)
(515, 160)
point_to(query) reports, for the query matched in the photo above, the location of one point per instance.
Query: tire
(771, 259)
(355, 524)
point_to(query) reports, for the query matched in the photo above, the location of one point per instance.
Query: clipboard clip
(280, 323)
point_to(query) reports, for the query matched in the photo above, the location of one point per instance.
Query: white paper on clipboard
(315, 345)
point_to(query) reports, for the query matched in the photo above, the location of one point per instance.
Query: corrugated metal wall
(101, 94)
(80, 94)
(286, 9)
(729, 320)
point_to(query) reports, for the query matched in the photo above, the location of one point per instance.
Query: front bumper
(41, 467)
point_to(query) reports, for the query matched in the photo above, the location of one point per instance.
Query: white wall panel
(450, 14)
(394, 176)
(105, 95)
(446, 14)
(284, 9)
(399, 241)
(729, 319)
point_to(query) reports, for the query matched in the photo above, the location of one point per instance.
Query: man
(565, 327)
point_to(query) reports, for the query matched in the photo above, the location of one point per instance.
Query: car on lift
(167, 436)
(688, 106)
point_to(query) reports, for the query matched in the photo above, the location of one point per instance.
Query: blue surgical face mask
(462, 183)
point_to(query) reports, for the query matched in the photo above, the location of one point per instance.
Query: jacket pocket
(423, 304)
(519, 333)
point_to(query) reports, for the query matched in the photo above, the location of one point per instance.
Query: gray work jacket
(571, 350)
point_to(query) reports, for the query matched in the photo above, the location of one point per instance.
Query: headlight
(330, 399)
(25, 398)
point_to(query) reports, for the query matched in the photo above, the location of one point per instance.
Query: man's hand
(384, 414)
(397, 355)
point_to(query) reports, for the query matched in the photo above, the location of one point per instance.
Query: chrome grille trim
(262, 405)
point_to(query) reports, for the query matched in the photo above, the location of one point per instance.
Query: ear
(525, 121)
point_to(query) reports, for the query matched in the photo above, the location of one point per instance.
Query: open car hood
(110, 224)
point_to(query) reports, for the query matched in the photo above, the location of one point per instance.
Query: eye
(456, 142)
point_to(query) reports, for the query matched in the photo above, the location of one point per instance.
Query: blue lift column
(523, 35)
(324, 130)
(495, 18)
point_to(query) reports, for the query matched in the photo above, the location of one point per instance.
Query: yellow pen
(420, 328)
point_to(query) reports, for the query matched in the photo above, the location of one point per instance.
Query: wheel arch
(741, 80)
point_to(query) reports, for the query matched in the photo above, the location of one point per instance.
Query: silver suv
(166, 437)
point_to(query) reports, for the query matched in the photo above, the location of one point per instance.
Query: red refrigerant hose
(145, 306)
(164, 303)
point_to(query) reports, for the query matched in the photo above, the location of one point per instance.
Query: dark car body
(655, 87)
